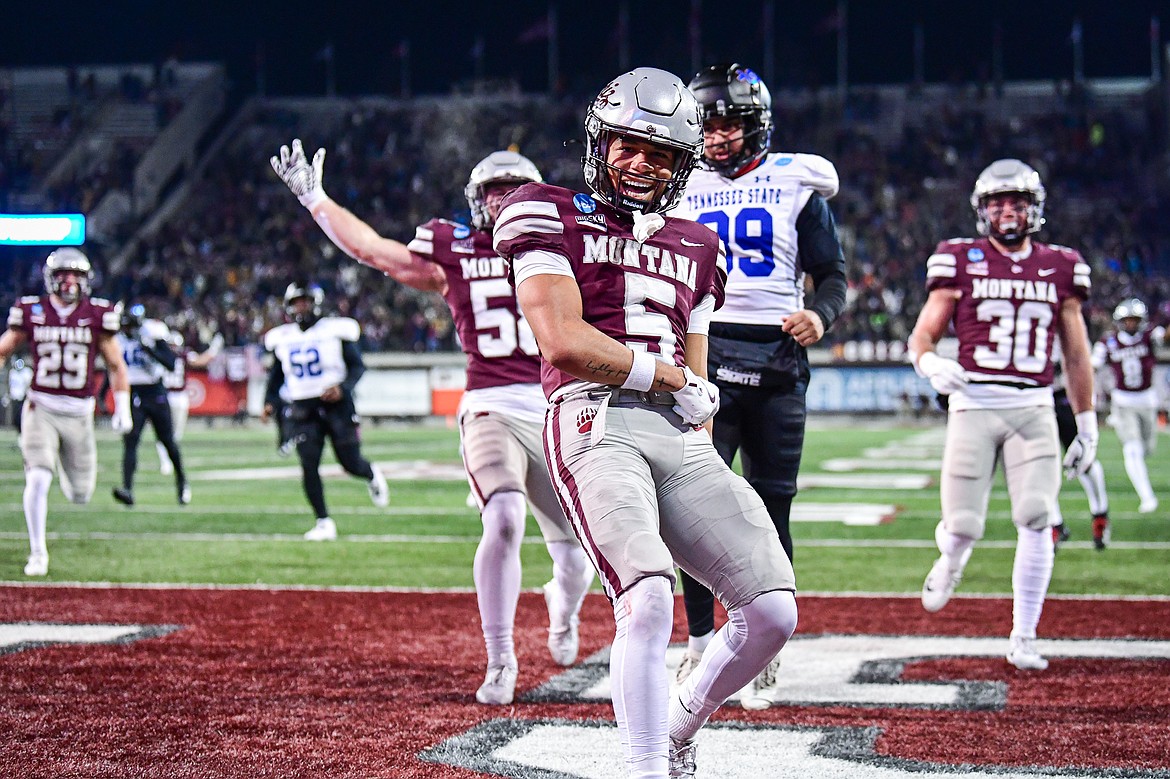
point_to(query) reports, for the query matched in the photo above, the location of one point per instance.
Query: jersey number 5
(751, 243)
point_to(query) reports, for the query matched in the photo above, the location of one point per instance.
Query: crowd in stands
(222, 262)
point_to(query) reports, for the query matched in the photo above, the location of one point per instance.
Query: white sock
(752, 636)
(956, 548)
(697, 645)
(1031, 572)
(644, 616)
(1135, 465)
(164, 459)
(36, 507)
(573, 574)
(497, 573)
(1094, 484)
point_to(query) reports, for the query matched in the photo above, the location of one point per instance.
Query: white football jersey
(312, 359)
(142, 369)
(755, 217)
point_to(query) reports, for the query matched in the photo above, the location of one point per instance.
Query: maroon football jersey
(496, 338)
(64, 348)
(1132, 363)
(1008, 310)
(639, 294)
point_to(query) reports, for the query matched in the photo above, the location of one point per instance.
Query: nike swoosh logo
(711, 397)
(685, 242)
(1046, 272)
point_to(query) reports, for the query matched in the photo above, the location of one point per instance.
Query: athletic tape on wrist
(641, 376)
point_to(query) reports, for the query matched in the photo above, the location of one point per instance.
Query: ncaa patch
(584, 203)
(975, 255)
(460, 232)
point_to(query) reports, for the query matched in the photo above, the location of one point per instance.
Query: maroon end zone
(253, 683)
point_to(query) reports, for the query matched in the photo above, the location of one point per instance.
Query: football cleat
(940, 585)
(379, 490)
(1148, 505)
(1060, 534)
(1101, 531)
(761, 693)
(1023, 655)
(499, 685)
(563, 640)
(123, 495)
(184, 494)
(682, 758)
(324, 530)
(690, 661)
(37, 565)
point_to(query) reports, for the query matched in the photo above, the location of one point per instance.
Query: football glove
(303, 179)
(698, 400)
(122, 421)
(946, 376)
(1083, 449)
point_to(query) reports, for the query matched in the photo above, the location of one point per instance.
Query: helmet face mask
(737, 92)
(1130, 315)
(498, 169)
(304, 315)
(649, 105)
(64, 265)
(1008, 176)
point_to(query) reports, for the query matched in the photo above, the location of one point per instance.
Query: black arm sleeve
(354, 364)
(163, 353)
(275, 382)
(821, 255)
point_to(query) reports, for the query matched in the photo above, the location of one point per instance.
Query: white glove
(946, 376)
(645, 225)
(216, 345)
(121, 421)
(1083, 450)
(302, 178)
(698, 400)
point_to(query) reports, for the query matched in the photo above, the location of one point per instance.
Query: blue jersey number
(309, 365)
(751, 245)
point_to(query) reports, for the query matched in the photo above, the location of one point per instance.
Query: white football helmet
(499, 166)
(1131, 308)
(68, 259)
(651, 105)
(1009, 175)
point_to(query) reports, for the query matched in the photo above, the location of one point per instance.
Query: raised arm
(351, 234)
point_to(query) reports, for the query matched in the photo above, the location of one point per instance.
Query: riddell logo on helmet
(585, 420)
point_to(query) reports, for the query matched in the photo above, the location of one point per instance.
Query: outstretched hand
(301, 177)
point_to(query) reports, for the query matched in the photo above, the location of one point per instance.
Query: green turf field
(245, 522)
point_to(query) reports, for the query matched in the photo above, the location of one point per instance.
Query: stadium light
(42, 229)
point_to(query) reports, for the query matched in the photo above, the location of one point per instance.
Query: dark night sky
(365, 35)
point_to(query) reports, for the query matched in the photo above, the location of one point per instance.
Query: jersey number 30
(1019, 338)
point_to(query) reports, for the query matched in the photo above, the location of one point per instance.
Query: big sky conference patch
(309, 683)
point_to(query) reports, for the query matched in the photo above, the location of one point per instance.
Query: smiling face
(638, 169)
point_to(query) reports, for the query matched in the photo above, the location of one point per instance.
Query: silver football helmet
(1131, 308)
(497, 167)
(1009, 176)
(651, 105)
(69, 259)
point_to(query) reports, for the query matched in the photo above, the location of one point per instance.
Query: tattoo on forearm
(605, 371)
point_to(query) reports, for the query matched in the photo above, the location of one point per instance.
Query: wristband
(641, 376)
(1087, 423)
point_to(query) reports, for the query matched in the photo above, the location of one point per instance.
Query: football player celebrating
(771, 214)
(1128, 352)
(148, 356)
(1007, 297)
(318, 360)
(65, 330)
(620, 298)
(502, 410)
